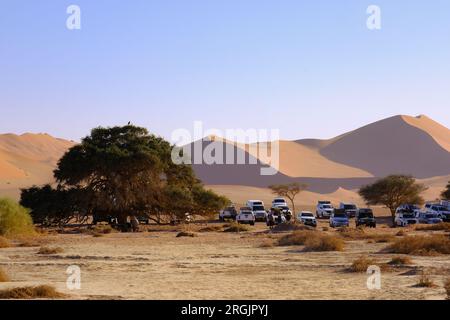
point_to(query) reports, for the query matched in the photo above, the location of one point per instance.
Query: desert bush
(236, 227)
(3, 276)
(266, 244)
(313, 241)
(283, 227)
(361, 264)
(14, 219)
(49, 250)
(4, 243)
(360, 234)
(425, 281)
(325, 228)
(447, 288)
(401, 233)
(103, 229)
(443, 226)
(400, 261)
(186, 234)
(421, 245)
(211, 229)
(42, 291)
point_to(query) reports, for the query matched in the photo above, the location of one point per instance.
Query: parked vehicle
(365, 217)
(96, 218)
(439, 210)
(251, 203)
(279, 202)
(228, 213)
(349, 208)
(143, 219)
(259, 212)
(429, 218)
(324, 209)
(307, 218)
(406, 215)
(339, 218)
(246, 216)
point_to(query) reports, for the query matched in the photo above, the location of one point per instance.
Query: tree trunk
(393, 217)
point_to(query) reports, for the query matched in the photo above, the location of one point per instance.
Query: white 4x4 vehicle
(246, 216)
(324, 209)
(279, 202)
(406, 215)
(440, 210)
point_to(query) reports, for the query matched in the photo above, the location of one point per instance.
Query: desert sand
(215, 265)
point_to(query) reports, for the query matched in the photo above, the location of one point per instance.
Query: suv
(228, 213)
(339, 218)
(246, 216)
(365, 217)
(440, 210)
(279, 202)
(406, 215)
(259, 212)
(307, 218)
(324, 209)
(349, 208)
(429, 217)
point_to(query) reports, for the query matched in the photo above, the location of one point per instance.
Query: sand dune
(437, 131)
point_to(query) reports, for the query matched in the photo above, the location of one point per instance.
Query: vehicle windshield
(279, 201)
(258, 208)
(340, 215)
(327, 206)
(429, 216)
(408, 215)
(349, 207)
(307, 214)
(365, 214)
(246, 212)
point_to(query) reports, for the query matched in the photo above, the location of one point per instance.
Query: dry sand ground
(214, 265)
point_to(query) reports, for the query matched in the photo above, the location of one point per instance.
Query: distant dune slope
(28, 159)
(394, 145)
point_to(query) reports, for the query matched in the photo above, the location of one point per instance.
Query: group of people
(277, 216)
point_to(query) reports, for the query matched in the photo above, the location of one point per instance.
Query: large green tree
(393, 191)
(119, 171)
(289, 191)
(446, 193)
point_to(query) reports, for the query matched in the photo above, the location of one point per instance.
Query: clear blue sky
(310, 68)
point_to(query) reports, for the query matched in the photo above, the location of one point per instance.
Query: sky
(311, 69)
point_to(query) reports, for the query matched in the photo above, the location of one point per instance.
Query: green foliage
(446, 193)
(393, 191)
(118, 172)
(14, 219)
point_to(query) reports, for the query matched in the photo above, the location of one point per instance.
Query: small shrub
(211, 229)
(382, 238)
(421, 245)
(3, 276)
(313, 241)
(443, 226)
(14, 219)
(425, 281)
(447, 288)
(400, 261)
(37, 292)
(4, 243)
(401, 233)
(236, 227)
(186, 234)
(49, 250)
(266, 244)
(361, 264)
(325, 228)
(102, 229)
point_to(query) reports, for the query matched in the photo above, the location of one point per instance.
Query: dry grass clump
(4, 243)
(211, 229)
(43, 291)
(186, 234)
(447, 288)
(421, 245)
(360, 234)
(3, 276)
(325, 228)
(313, 241)
(267, 244)
(401, 233)
(50, 250)
(424, 281)
(361, 264)
(443, 226)
(283, 227)
(103, 229)
(400, 261)
(236, 227)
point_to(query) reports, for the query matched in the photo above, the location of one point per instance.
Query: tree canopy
(120, 171)
(289, 191)
(446, 193)
(393, 191)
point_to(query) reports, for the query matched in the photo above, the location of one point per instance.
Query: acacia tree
(393, 191)
(446, 193)
(120, 171)
(289, 191)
